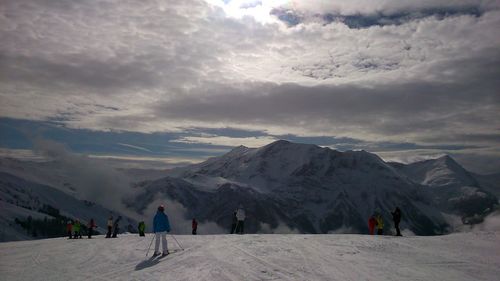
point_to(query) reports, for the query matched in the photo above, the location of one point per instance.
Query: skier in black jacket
(396, 217)
(116, 226)
(234, 223)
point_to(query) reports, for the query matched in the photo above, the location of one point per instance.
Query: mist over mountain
(454, 189)
(285, 187)
(311, 189)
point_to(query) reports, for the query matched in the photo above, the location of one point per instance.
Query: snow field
(464, 256)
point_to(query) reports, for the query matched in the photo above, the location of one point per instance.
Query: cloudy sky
(180, 81)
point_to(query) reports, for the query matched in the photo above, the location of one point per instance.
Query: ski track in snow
(465, 256)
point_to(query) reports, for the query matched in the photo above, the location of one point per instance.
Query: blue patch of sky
(358, 21)
(391, 146)
(287, 16)
(380, 19)
(344, 144)
(19, 134)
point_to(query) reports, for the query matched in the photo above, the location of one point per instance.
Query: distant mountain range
(302, 188)
(319, 190)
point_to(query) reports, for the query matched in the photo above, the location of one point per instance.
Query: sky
(175, 82)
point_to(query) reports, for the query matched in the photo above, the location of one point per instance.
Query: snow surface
(462, 256)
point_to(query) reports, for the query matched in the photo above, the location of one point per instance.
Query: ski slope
(464, 256)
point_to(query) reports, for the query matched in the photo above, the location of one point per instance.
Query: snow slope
(456, 257)
(20, 198)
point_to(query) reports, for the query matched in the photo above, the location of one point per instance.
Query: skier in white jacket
(240, 215)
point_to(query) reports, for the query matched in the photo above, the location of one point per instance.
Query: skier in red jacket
(194, 225)
(372, 222)
(69, 229)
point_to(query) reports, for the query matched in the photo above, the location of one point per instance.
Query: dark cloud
(77, 71)
(424, 75)
(432, 108)
(391, 9)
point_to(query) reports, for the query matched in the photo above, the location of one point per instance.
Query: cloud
(422, 72)
(180, 223)
(423, 111)
(228, 141)
(491, 223)
(367, 7)
(282, 228)
(93, 180)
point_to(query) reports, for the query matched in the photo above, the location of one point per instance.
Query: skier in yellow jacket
(380, 224)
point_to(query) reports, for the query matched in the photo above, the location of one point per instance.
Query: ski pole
(150, 243)
(177, 242)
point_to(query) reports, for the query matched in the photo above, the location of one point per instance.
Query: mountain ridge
(306, 188)
(319, 189)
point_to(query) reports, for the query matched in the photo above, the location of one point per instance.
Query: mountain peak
(445, 157)
(239, 147)
(279, 143)
(449, 162)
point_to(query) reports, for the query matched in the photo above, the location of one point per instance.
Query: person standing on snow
(240, 215)
(141, 227)
(110, 226)
(380, 225)
(372, 222)
(396, 217)
(234, 223)
(161, 226)
(194, 226)
(69, 229)
(76, 230)
(91, 225)
(116, 226)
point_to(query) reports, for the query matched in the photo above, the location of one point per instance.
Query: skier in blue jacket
(160, 227)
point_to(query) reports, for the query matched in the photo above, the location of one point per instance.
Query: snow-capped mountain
(454, 188)
(306, 187)
(284, 187)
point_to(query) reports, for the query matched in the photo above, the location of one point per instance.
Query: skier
(396, 217)
(116, 226)
(240, 215)
(160, 227)
(110, 226)
(90, 226)
(141, 227)
(194, 226)
(372, 222)
(69, 229)
(76, 230)
(380, 225)
(234, 223)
